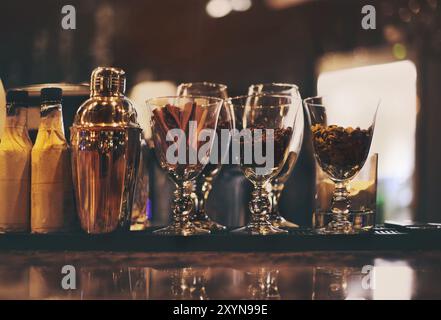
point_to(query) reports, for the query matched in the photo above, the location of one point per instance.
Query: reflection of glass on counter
(363, 195)
(339, 283)
(45, 283)
(263, 284)
(123, 283)
(186, 283)
(14, 282)
(91, 283)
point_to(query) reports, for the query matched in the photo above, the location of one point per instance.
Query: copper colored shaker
(106, 139)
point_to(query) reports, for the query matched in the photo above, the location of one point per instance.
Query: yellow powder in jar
(52, 205)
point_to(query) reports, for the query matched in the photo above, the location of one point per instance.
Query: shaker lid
(108, 81)
(107, 106)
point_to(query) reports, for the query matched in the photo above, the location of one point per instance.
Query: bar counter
(215, 275)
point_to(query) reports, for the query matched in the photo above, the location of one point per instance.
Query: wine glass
(277, 184)
(342, 130)
(184, 130)
(267, 125)
(203, 184)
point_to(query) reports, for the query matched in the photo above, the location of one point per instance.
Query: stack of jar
(35, 181)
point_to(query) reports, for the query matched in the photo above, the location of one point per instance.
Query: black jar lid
(17, 97)
(51, 95)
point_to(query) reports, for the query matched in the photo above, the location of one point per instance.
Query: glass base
(280, 222)
(208, 224)
(360, 222)
(259, 229)
(188, 229)
(341, 227)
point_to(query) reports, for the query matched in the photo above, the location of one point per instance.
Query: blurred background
(319, 45)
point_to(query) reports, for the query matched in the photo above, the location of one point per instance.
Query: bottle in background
(141, 210)
(2, 108)
(52, 207)
(15, 163)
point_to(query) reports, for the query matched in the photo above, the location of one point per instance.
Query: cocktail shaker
(106, 139)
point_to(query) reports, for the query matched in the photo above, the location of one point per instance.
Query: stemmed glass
(277, 184)
(266, 125)
(203, 184)
(184, 129)
(342, 130)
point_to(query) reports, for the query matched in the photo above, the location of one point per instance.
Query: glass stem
(202, 191)
(182, 205)
(260, 206)
(340, 203)
(276, 192)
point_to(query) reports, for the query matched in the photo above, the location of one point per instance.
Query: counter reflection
(278, 278)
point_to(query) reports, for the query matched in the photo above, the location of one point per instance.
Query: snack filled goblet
(184, 130)
(265, 126)
(341, 138)
(277, 184)
(203, 184)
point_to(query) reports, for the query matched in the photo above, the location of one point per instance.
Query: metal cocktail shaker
(106, 140)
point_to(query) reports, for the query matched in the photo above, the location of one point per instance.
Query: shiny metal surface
(286, 276)
(106, 142)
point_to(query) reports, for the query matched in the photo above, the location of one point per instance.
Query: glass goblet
(203, 184)
(181, 127)
(277, 184)
(342, 130)
(265, 125)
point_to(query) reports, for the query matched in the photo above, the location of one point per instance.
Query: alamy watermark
(254, 147)
(368, 281)
(69, 280)
(69, 17)
(369, 20)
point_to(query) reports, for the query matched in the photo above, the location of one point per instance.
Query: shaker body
(105, 163)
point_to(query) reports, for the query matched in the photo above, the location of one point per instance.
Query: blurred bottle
(52, 207)
(2, 108)
(228, 202)
(161, 192)
(142, 206)
(15, 166)
(154, 189)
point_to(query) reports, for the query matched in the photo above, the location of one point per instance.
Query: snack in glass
(184, 130)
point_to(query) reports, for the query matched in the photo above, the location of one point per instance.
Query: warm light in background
(218, 8)
(283, 4)
(221, 8)
(394, 137)
(145, 90)
(241, 5)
